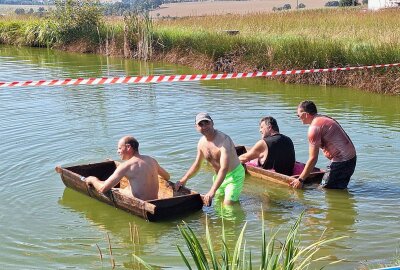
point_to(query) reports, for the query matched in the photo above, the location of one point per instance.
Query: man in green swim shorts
(219, 150)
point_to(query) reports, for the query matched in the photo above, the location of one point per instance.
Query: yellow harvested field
(228, 7)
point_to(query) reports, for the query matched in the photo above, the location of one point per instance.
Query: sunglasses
(300, 115)
(203, 123)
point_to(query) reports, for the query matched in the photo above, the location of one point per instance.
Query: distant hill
(181, 9)
(225, 7)
(40, 2)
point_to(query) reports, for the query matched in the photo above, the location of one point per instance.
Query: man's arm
(254, 152)
(162, 172)
(192, 170)
(113, 180)
(223, 170)
(313, 152)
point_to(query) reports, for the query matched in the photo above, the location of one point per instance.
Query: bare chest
(211, 152)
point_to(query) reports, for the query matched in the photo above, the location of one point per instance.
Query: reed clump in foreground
(274, 255)
(284, 40)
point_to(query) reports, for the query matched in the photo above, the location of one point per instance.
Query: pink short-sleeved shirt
(327, 134)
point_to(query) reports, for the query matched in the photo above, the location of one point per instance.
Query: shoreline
(377, 80)
(294, 40)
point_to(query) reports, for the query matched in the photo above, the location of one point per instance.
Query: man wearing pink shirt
(326, 133)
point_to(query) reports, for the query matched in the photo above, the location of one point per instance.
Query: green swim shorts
(232, 185)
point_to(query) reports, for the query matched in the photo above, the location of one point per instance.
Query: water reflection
(152, 237)
(279, 204)
(341, 212)
(234, 213)
(335, 216)
(336, 213)
(99, 214)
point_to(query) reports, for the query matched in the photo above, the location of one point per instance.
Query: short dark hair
(132, 142)
(269, 120)
(308, 106)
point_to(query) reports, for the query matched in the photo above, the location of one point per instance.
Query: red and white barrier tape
(179, 78)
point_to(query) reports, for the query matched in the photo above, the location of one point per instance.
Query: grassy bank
(266, 41)
(303, 39)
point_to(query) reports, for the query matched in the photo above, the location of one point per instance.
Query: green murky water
(46, 226)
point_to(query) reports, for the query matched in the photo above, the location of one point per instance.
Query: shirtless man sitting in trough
(142, 172)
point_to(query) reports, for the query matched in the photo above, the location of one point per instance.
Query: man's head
(306, 111)
(204, 123)
(268, 125)
(203, 116)
(127, 147)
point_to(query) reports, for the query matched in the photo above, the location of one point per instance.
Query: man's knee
(229, 202)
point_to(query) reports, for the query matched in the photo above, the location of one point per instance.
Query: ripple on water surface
(47, 226)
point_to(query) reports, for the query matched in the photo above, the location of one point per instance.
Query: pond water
(47, 226)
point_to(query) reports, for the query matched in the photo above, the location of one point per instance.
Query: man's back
(142, 172)
(327, 134)
(143, 177)
(281, 154)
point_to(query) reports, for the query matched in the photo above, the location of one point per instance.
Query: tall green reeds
(139, 33)
(289, 255)
(40, 33)
(34, 32)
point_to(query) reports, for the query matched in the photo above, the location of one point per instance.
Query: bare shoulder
(123, 166)
(223, 139)
(221, 134)
(201, 142)
(148, 159)
(260, 146)
(261, 143)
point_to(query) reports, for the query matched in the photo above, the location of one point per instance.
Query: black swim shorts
(338, 174)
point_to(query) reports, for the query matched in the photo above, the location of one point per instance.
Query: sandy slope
(224, 7)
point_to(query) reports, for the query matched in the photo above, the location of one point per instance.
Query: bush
(332, 4)
(77, 19)
(287, 6)
(20, 11)
(301, 5)
(348, 3)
